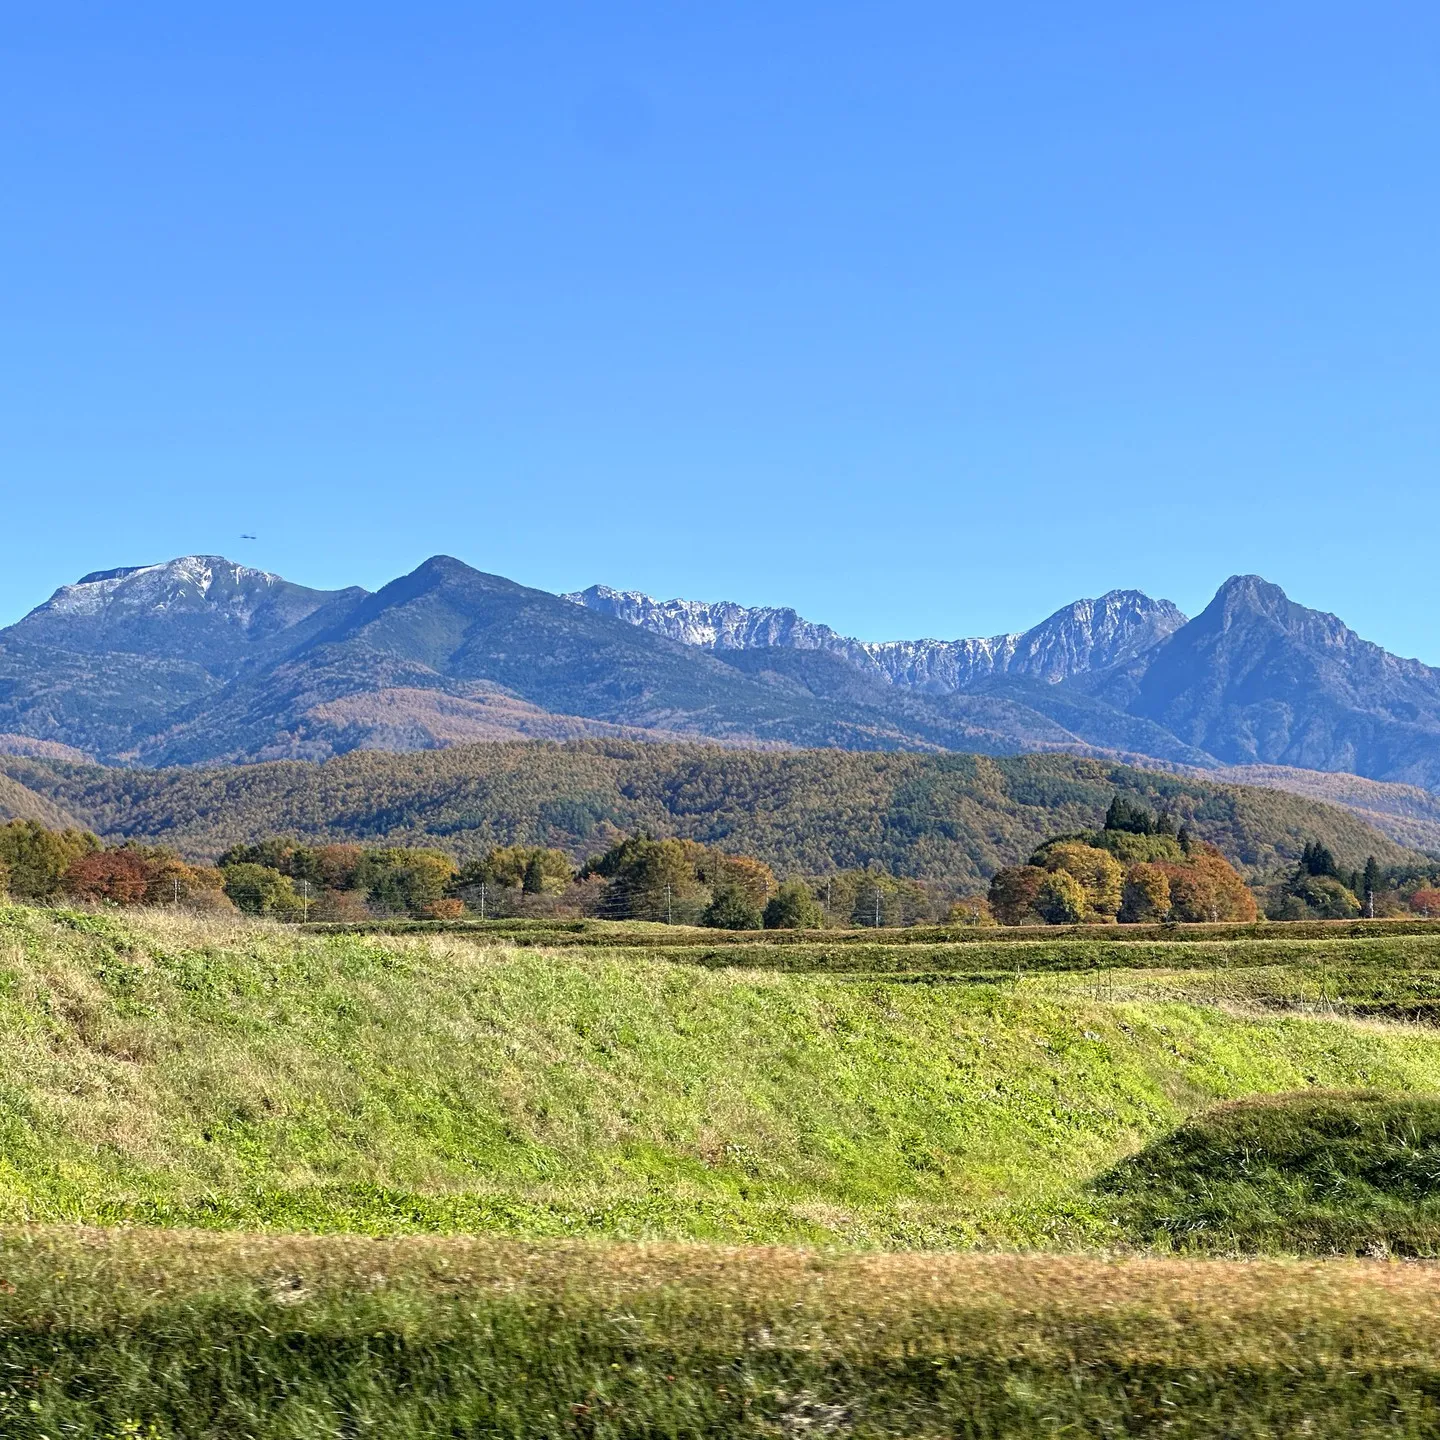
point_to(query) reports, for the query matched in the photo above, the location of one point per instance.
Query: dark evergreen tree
(1125, 814)
(732, 909)
(793, 907)
(1370, 883)
(534, 879)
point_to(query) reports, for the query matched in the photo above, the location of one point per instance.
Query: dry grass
(167, 1335)
(1147, 1310)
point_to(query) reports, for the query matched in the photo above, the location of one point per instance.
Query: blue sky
(923, 318)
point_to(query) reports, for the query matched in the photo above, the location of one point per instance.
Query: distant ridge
(1087, 635)
(951, 817)
(1407, 814)
(200, 660)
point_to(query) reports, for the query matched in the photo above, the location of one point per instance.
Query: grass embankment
(959, 951)
(166, 1335)
(163, 1071)
(652, 935)
(1346, 1173)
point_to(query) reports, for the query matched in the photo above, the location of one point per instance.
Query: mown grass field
(652, 935)
(442, 1184)
(163, 1334)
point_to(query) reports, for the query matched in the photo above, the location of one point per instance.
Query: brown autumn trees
(1137, 868)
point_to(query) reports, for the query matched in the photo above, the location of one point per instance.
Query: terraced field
(269, 1183)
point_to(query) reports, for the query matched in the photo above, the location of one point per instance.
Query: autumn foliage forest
(1139, 867)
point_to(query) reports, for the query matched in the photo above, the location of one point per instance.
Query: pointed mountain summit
(407, 667)
(200, 659)
(1257, 679)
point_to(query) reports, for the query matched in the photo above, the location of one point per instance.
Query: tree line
(640, 877)
(1139, 866)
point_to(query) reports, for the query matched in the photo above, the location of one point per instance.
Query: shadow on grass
(1307, 1173)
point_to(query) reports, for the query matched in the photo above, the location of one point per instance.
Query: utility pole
(305, 901)
(176, 879)
(482, 899)
(669, 920)
(877, 906)
(1369, 904)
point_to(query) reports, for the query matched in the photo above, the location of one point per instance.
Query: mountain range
(1088, 635)
(202, 661)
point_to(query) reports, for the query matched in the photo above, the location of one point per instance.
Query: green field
(163, 1334)
(652, 935)
(622, 1127)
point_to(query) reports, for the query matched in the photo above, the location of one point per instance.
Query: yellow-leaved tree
(1099, 874)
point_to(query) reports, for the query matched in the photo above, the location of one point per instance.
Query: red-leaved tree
(113, 875)
(1427, 903)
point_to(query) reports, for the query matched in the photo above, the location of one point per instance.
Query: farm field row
(649, 934)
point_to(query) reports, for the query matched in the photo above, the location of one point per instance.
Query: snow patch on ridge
(1088, 635)
(191, 582)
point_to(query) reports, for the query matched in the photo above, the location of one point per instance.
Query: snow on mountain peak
(1087, 635)
(187, 583)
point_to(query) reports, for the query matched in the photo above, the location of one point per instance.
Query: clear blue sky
(923, 318)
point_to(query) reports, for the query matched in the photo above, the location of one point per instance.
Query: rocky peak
(721, 625)
(1087, 635)
(1094, 634)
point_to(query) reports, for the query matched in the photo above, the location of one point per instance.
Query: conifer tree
(1369, 885)
(1125, 814)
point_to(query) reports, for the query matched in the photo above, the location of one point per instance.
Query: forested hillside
(18, 802)
(1406, 813)
(957, 818)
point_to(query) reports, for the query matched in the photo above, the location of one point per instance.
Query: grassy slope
(1331, 1172)
(161, 1070)
(951, 817)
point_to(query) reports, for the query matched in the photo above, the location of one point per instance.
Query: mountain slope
(452, 630)
(201, 660)
(1087, 635)
(1409, 815)
(1257, 679)
(107, 663)
(17, 802)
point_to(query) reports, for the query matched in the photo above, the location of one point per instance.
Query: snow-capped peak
(189, 582)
